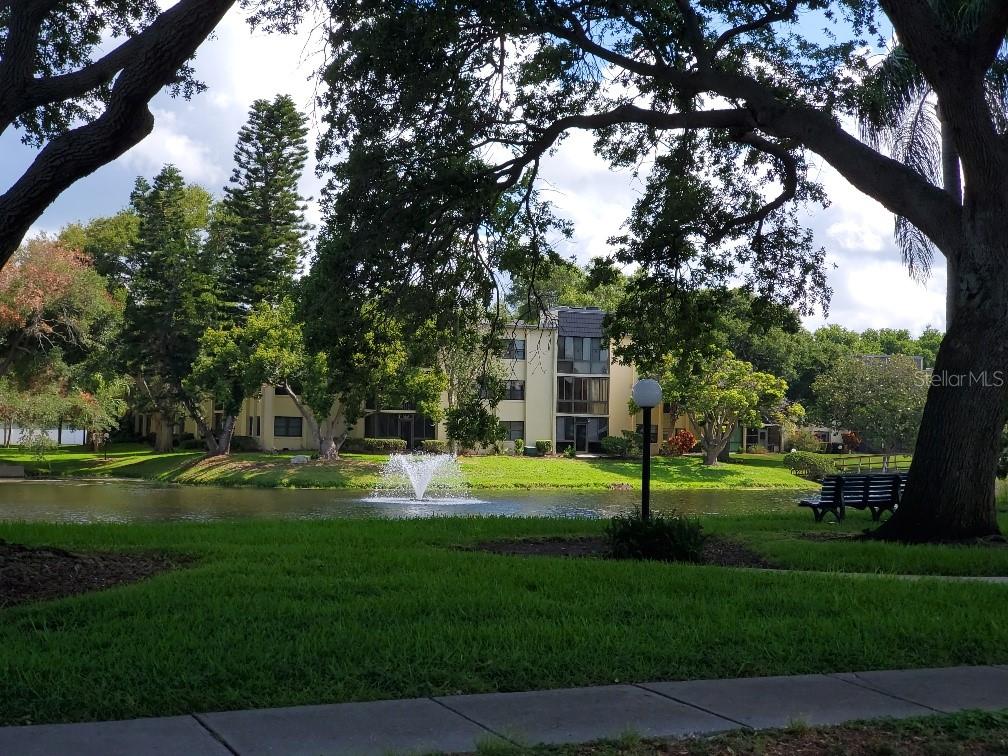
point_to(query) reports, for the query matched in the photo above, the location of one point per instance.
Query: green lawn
(282, 613)
(360, 471)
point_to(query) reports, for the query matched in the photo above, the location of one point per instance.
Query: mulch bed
(38, 573)
(720, 552)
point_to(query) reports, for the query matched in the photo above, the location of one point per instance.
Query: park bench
(875, 492)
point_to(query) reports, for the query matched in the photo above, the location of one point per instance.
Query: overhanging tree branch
(153, 64)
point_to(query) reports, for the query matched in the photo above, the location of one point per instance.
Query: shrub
(756, 449)
(681, 442)
(570, 452)
(519, 446)
(809, 464)
(244, 444)
(544, 446)
(851, 440)
(190, 444)
(665, 537)
(804, 440)
(38, 444)
(434, 446)
(617, 446)
(374, 445)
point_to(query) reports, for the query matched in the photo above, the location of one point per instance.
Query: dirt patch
(720, 552)
(38, 573)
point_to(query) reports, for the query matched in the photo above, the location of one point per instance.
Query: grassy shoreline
(361, 471)
(277, 613)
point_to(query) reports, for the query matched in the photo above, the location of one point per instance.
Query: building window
(515, 429)
(582, 355)
(589, 396)
(280, 391)
(654, 432)
(583, 433)
(514, 389)
(412, 427)
(513, 349)
(250, 425)
(258, 425)
(287, 427)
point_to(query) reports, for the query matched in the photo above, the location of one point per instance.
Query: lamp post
(646, 395)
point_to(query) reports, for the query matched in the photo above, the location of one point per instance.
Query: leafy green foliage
(109, 242)
(474, 383)
(375, 445)
(803, 440)
(548, 284)
(881, 399)
(665, 537)
(54, 310)
(544, 447)
(434, 446)
(721, 396)
(809, 464)
(173, 293)
(471, 424)
(616, 446)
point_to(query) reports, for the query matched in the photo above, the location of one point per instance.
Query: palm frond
(918, 251)
(996, 85)
(894, 86)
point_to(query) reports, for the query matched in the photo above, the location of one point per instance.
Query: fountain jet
(422, 477)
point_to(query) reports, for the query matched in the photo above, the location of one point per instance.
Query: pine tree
(262, 211)
(173, 295)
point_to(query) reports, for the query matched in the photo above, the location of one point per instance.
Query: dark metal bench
(877, 492)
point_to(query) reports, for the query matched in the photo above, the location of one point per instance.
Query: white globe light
(647, 393)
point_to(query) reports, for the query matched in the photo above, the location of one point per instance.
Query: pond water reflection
(135, 501)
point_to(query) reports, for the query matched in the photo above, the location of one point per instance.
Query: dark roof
(580, 322)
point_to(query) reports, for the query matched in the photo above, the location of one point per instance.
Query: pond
(137, 501)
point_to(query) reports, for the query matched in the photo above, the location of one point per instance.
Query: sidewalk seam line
(743, 725)
(214, 734)
(475, 722)
(859, 682)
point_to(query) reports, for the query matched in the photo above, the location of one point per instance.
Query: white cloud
(169, 143)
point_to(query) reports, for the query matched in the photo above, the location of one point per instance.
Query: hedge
(434, 446)
(544, 446)
(809, 464)
(374, 445)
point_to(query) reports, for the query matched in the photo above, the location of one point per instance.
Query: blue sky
(871, 287)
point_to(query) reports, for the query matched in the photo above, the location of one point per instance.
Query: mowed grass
(793, 540)
(361, 471)
(284, 613)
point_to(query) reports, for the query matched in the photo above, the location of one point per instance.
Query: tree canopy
(880, 399)
(76, 78)
(726, 104)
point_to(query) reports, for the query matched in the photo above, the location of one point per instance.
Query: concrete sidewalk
(459, 723)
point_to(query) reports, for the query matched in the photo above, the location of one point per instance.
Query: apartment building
(563, 385)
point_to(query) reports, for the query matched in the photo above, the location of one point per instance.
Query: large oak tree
(452, 102)
(76, 77)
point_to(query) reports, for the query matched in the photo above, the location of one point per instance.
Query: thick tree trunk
(952, 182)
(950, 489)
(714, 444)
(219, 445)
(163, 438)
